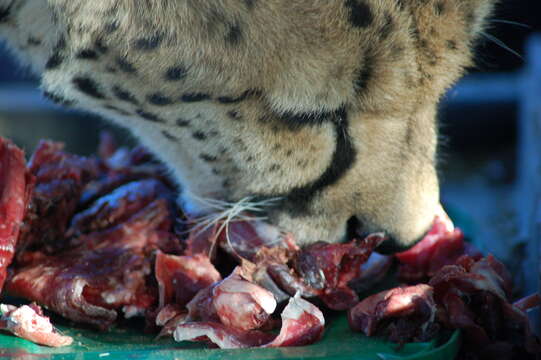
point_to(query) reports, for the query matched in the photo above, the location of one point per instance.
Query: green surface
(339, 343)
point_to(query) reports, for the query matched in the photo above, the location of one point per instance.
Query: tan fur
(294, 57)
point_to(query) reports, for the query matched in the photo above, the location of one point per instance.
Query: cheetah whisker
(500, 43)
(228, 212)
(509, 22)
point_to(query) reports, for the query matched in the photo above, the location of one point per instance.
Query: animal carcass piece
(473, 295)
(97, 260)
(98, 241)
(443, 245)
(403, 314)
(302, 324)
(15, 187)
(28, 322)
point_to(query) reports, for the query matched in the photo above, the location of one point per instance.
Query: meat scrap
(302, 324)
(15, 187)
(180, 278)
(441, 246)
(98, 241)
(105, 272)
(241, 305)
(28, 322)
(329, 268)
(60, 179)
(473, 296)
(403, 314)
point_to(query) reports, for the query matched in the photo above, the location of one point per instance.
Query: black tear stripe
(297, 202)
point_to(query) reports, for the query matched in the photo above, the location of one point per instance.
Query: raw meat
(473, 296)
(329, 268)
(402, 314)
(60, 179)
(443, 245)
(180, 278)
(302, 324)
(106, 271)
(15, 187)
(28, 322)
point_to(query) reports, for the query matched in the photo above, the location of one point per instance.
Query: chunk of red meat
(473, 296)
(119, 167)
(245, 239)
(201, 307)
(443, 245)
(528, 302)
(202, 241)
(287, 280)
(302, 324)
(28, 322)
(105, 272)
(329, 268)
(60, 179)
(16, 185)
(402, 314)
(118, 206)
(180, 278)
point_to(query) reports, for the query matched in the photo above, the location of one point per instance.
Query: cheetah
(323, 111)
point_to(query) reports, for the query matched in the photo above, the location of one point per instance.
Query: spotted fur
(329, 106)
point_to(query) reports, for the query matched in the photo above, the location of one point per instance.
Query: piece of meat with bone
(402, 314)
(473, 296)
(28, 322)
(302, 324)
(105, 272)
(16, 185)
(242, 305)
(233, 302)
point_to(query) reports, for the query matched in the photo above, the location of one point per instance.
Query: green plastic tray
(339, 343)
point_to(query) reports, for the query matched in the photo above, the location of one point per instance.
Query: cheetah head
(322, 111)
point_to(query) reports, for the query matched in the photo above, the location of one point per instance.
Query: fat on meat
(302, 324)
(28, 322)
(241, 305)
